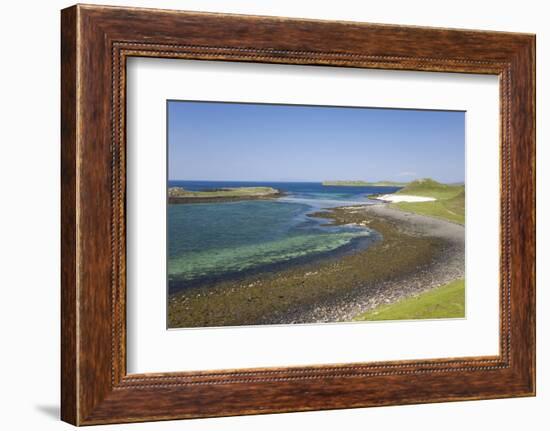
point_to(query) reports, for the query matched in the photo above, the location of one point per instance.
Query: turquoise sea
(211, 241)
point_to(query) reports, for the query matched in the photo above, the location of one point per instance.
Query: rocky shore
(416, 253)
(446, 265)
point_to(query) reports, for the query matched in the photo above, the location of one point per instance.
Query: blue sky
(260, 142)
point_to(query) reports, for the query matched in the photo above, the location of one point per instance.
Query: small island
(364, 184)
(179, 195)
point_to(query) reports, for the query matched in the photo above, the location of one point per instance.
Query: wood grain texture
(69, 367)
(96, 41)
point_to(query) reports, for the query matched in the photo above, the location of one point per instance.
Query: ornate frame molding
(96, 41)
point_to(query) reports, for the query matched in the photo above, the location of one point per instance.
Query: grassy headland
(364, 183)
(178, 195)
(430, 188)
(442, 302)
(449, 203)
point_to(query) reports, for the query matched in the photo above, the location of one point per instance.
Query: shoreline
(355, 245)
(416, 253)
(448, 265)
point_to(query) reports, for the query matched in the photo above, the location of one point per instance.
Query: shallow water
(215, 240)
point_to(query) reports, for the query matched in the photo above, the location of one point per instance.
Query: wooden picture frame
(95, 43)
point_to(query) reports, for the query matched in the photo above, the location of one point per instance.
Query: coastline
(416, 254)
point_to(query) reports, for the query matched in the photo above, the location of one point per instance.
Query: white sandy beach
(404, 198)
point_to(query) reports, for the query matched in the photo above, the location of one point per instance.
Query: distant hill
(364, 184)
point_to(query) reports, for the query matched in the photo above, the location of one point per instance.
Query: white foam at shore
(404, 198)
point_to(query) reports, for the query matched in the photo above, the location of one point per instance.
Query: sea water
(219, 240)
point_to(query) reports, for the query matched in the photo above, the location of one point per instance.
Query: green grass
(179, 192)
(443, 302)
(449, 205)
(430, 188)
(449, 209)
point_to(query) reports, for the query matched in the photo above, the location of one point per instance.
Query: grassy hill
(450, 203)
(443, 302)
(430, 188)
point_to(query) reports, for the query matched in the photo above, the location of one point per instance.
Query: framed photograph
(263, 214)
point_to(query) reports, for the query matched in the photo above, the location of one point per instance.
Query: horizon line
(316, 181)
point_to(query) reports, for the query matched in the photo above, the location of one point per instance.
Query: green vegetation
(180, 195)
(431, 188)
(449, 204)
(442, 302)
(364, 183)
